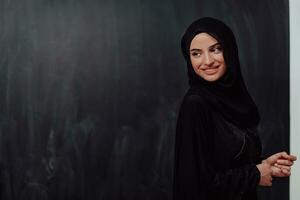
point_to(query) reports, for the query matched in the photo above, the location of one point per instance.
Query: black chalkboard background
(89, 92)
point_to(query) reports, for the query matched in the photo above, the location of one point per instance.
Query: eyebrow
(212, 46)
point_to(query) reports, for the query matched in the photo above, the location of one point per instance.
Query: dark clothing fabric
(216, 148)
(214, 159)
(228, 94)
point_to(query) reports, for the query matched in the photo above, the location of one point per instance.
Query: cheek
(219, 58)
(223, 69)
(196, 63)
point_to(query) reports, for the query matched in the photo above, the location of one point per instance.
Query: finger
(293, 158)
(284, 162)
(280, 154)
(287, 156)
(282, 166)
(279, 173)
(283, 153)
(287, 172)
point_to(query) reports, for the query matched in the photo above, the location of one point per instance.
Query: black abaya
(216, 147)
(215, 160)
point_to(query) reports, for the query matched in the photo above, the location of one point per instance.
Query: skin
(206, 56)
(277, 165)
(207, 59)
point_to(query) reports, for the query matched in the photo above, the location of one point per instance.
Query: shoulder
(194, 103)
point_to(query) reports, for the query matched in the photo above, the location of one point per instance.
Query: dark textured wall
(90, 92)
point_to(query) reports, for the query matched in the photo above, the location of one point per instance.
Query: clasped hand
(277, 165)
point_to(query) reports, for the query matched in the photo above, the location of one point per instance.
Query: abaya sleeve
(197, 175)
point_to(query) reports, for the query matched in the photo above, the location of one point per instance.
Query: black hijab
(227, 95)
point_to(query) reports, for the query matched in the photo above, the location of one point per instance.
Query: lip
(211, 70)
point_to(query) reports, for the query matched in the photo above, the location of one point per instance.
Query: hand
(281, 171)
(281, 164)
(281, 158)
(265, 174)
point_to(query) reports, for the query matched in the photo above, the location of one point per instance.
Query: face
(206, 56)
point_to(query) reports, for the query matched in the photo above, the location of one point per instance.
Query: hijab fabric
(227, 95)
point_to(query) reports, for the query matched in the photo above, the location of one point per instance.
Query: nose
(208, 60)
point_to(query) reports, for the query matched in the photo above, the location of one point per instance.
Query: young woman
(217, 151)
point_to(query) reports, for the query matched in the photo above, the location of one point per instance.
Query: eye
(217, 49)
(195, 54)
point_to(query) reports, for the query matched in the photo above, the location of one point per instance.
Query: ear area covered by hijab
(227, 95)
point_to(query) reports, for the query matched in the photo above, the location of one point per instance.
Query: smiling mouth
(211, 71)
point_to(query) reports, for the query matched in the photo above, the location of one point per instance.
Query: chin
(210, 79)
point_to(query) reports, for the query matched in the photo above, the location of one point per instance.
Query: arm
(195, 136)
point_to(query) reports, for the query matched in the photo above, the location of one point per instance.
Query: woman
(217, 151)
